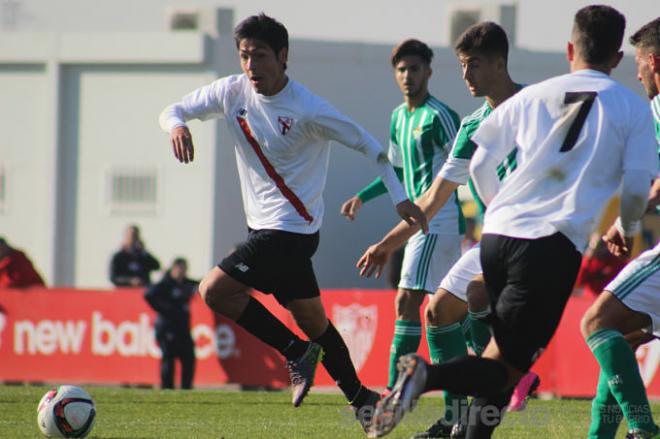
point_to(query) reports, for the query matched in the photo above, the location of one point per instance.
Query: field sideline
(145, 413)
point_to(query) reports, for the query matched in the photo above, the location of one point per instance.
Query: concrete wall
(77, 106)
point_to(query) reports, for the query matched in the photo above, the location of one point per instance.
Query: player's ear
(570, 51)
(654, 63)
(283, 55)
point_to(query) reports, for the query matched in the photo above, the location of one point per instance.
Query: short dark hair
(179, 261)
(411, 47)
(487, 38)
(264, 28)
(648, 37)
(598, 33)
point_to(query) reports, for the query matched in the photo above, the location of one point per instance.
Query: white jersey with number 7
(575, 134)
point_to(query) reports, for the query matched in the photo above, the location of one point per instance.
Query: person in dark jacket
(132, 265)
(170, 298)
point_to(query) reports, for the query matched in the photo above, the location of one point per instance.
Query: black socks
(258, 321)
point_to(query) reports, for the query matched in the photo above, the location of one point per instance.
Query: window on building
(133, 190)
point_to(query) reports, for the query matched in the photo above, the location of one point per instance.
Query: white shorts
(426, 260)
(638, 286)
(462, 273)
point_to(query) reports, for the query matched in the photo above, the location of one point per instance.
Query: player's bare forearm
(436, 196)
(412, 214)
(430, 203)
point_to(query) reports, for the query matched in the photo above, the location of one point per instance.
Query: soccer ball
(67, 411)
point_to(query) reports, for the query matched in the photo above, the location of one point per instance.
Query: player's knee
(407, 303)
(477, 296)
(590, 323)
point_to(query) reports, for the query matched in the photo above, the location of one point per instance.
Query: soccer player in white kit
(282, 134)
(579, 136)
(630, 304)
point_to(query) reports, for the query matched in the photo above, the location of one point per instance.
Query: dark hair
(264, 28)
(598, 33)
(648, 36)
(411, 47)
(179, 261)
(487, 38)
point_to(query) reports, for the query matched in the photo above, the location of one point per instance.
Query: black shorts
(276, 262)
(529, 282)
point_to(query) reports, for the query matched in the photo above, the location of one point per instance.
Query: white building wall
(92, 101)
(24, 157)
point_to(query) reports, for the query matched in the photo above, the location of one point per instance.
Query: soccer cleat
(408, 387)
(525, 388)
(641, 434)
(440, 429)
(459, 431)
(365, 413)
(302, 372)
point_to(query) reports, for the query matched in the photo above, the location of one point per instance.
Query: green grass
(146, 413)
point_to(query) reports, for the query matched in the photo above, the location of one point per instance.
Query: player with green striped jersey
(627, 313)
(422, 130)
(464, 148)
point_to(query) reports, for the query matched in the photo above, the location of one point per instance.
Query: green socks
(407, 336)
(479, 331)
(605, 412)
(619, 368)
(445, 343)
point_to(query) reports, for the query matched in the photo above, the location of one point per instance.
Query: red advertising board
(106, 337)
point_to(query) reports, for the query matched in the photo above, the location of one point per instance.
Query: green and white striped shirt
(420, 142)
(457, 167)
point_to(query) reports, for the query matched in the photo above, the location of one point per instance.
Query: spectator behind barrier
(132, 265)
(16, 269)
(170, 298)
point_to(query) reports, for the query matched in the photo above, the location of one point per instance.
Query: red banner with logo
(107, 337)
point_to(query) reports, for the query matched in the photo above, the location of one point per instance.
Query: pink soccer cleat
(525, 388)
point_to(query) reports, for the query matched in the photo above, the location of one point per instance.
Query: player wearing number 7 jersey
(578, 136)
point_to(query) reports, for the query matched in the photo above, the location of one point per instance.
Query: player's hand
(618, 244)
(373, 261)
(182, 144)
(412, 214)
(350, 208)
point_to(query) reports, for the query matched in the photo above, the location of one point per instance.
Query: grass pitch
(147, 413)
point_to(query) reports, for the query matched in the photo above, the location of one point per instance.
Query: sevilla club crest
(357, 325)
(285, 124)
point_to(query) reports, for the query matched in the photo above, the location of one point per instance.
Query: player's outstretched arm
(182, 144)
(412, 214)
(373, 261)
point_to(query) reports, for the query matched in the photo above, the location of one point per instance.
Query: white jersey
(576, 134)
(282, 145)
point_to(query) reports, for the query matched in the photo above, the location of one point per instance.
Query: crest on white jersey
(648, 357)
(357, 325)
(285, 124)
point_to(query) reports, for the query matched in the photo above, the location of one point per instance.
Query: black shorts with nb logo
(275, 262)
(529, 282)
